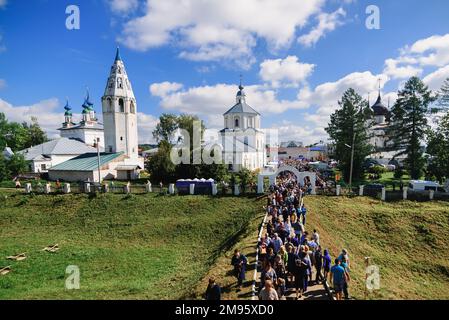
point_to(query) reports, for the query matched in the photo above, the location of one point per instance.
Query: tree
(19, 136)
(438, 150)
(4, 170)
(443, 95)
(165, 129)
(348, 128)
(246, 177)
(36, 135)
(160, 166)
(17, 165)
(409, 124)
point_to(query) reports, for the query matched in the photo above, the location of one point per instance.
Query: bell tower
(120, 112)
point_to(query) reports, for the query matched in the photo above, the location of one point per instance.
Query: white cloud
(146, 125)
(285, 72)
(2, 84)
(308, 134)
(217, 99)
(218, 30)
(164, 88)
(46, 112)
(326, 22)
(429, 52)
(394, 69)
(3, 3)
(123, 6)
(325, 96)
(435, 79)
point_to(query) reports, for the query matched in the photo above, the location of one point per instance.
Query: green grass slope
(408, 241)
(127, 247)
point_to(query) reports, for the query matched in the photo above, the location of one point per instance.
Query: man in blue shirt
(338, 278)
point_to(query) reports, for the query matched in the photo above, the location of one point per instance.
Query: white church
(117, 136)
(242, 140)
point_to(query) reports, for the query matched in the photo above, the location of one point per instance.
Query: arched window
(109, 105)
(132, 108)
(119, 70)
(121, 105)
(236, 123)
(119, 83)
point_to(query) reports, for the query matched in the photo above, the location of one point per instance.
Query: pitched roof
(241, 107)
(61, 146)
(86, 162)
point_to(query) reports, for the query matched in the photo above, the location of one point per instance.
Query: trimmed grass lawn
(127, 247)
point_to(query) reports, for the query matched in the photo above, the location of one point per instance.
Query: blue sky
(296, 56)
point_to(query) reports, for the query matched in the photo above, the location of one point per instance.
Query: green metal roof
(86, 162)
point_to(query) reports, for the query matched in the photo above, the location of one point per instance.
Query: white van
(421, 185)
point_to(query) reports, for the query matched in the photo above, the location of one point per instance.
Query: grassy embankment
(127, 247)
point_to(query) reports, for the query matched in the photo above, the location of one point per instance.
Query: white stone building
(120, 159)
(44, 156)
(242, 140)
(89, 130)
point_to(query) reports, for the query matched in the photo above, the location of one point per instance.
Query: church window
(119, 83)
(122, 105)
(132, 108)
(111, 83)
(110, 149)
(121, 138)
(109, 105)
(236, 123)
(119, 70)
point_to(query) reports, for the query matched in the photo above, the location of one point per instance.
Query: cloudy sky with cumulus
(296, 57)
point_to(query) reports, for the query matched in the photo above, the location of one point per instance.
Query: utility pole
(98, 160)
(352, 162)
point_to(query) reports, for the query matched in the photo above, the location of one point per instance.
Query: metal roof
(86, 162)
(241, 107)
(61, 146)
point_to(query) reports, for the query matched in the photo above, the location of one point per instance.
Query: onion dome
(379, 108)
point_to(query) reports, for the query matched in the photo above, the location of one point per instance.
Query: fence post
(171, 188)
(404, 193)
(148, 187)
(236, 190)
(192, 189)
(105, 188)
(67, 188)
(214, 189)
(87, 187)
(384, 194)
(338, 190)
(47, 188)
(127, 188)
(431, 194)
(361, 190)
(28, 188)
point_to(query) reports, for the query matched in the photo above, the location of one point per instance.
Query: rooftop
(61, 146)
(86, 162)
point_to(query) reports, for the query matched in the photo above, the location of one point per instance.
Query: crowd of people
(290, 256)
(289, 253)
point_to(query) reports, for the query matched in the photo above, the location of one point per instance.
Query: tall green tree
(443, 95)
(165, 129)
(160, 166)
(5, 174)
(409, 124)
(36, 135)
(348, 129)
(19, 136)
(438, 150)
